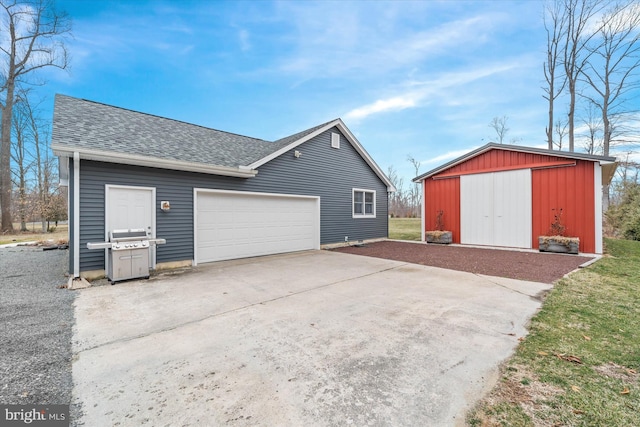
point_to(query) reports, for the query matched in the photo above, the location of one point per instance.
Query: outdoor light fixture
(297, 154)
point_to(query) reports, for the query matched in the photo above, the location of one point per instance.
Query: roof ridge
(160, 117)
(304, 131)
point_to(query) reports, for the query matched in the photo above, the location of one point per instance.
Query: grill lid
(132, 234)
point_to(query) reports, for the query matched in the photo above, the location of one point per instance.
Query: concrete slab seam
(487, 278)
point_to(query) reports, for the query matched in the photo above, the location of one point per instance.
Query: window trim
(353, 203)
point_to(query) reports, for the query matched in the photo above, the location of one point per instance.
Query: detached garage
(506, 195)
(212, 195)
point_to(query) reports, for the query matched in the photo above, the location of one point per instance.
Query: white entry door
(131, 207)
(495, 209)
(234, 224)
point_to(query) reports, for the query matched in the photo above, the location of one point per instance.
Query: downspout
(76, 214)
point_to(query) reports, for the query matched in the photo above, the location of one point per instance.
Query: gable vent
(335, 140)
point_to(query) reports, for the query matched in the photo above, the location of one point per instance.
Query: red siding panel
(570, 188)
(443, 194)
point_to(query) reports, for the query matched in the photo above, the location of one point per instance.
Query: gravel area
(36, 326)
(531, 266)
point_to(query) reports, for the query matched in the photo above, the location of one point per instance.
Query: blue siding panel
(320, 171)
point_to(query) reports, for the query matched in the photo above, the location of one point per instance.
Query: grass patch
(579, 364)
(61, 233)
(404, 228)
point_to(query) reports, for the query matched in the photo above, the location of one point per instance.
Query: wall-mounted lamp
(165, 205)
(297, 154)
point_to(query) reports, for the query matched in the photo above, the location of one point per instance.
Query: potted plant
(556, 240)
(439, 235)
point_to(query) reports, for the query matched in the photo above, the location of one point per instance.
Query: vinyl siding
(321, 171)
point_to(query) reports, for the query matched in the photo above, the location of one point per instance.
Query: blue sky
(420, 78)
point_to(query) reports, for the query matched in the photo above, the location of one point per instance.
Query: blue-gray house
(212, 195)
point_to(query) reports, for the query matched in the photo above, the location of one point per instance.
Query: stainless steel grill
(128, 253)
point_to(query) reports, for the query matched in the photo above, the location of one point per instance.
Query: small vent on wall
(335, 140)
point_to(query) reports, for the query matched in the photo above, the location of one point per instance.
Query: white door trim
(597, 188)
(108, 187)
(246, 193)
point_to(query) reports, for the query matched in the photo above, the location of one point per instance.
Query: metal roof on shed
(608, 163)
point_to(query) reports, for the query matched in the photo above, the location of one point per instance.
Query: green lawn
(579, 364)
(404, 228)
(35, 234)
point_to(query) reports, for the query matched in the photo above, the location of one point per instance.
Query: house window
(364, 203)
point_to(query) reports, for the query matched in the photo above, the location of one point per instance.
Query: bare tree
(555, 24)
(416, 189)
(34, 40)
(579, 15)
(499, 124)
(593, 134)
(612, 71)
(23, 162)
(614, 65)
(560, 129)
(37, 133)
(396, 202)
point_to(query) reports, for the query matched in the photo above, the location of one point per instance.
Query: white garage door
(230, 224)
(495, 209)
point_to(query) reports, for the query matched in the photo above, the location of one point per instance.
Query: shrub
(624, 217)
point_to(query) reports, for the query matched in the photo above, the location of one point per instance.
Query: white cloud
(426, 91)
(382, 105)
(450, 155)
(373, 39)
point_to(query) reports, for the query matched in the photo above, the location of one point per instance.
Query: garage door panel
(238, 225)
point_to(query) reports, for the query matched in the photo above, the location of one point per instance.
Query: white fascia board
(154, 162)
(350, 137)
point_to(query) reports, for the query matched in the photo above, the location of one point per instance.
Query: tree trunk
(5, 166)
(572, 109)
(550, 127)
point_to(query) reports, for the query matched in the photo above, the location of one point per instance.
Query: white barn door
(495, 209)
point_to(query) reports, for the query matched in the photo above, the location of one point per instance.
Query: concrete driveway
(315, 338)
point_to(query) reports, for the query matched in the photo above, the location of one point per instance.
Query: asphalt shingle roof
(79, 123)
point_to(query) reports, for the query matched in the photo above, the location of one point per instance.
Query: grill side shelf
(98, 245)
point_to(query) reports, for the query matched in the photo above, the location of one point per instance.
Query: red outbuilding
(507, 195)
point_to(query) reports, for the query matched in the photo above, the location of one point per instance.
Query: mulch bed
(531, 266)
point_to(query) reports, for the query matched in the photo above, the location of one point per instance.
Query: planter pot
(559, 244)
(441, 237)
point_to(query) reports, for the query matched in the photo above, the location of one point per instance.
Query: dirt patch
(520, 387)
(531, 266)
(618, 372)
